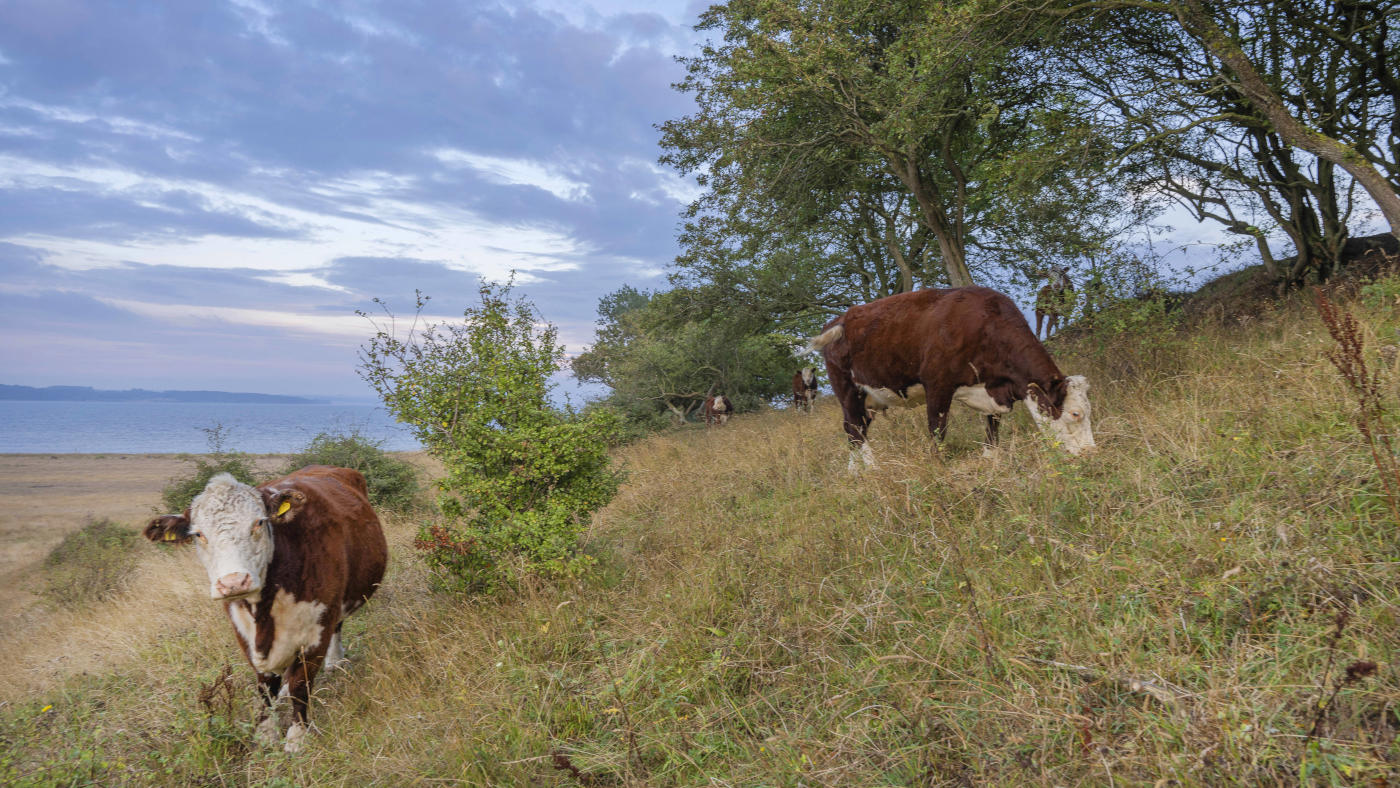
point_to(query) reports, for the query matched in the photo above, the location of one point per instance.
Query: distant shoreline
(15, 393)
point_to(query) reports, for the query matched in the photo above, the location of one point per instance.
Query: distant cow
(717, 410)
(804, 389)
(1054, 301)
(969, 344)
(289, 559)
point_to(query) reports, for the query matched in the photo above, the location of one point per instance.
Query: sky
(200, 195)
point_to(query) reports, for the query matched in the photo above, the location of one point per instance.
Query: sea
(184, 427)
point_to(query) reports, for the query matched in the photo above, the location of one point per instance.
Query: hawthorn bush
(522, 477)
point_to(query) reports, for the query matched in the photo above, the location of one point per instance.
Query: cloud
(219, 178)
(513, 172)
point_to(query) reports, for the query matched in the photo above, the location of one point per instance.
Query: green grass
(90, 563)
(1165, 609)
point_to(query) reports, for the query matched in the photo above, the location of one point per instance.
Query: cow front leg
(299, 678)
(938, 405)
(269, 688)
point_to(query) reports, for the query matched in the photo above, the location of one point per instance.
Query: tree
(522, 477)
(1237, 91)
(664, 353)
(887, 139)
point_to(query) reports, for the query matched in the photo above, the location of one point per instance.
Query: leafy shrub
(180, 491)
(90, 563)
(393, 482)
(522, 477)
(1381, 293)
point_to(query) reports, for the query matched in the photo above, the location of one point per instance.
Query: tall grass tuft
(90, 563)
(1366, 387)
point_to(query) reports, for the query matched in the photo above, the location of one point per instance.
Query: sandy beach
(45, 496)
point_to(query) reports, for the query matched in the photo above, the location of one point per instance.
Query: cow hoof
(295, 735)
(266, 732)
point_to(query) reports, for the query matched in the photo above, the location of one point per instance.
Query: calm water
(163, 427)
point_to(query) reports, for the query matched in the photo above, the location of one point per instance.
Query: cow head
(231, 531)
(1064, 410)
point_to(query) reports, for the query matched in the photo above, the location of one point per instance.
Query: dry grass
(1165, 610)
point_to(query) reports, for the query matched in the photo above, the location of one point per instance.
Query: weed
(1366, 389)
(181, 490)
(90, 563)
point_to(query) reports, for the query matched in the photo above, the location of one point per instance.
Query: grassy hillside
(1181, 606)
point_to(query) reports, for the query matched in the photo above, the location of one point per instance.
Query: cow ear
(283, 505)
(170, 529)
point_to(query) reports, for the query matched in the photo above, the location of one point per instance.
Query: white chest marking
(977, 398)
(296, 626)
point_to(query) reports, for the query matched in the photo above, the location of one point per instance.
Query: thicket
(90, 562)
(521, 477)
(181, 490)
(393, 482)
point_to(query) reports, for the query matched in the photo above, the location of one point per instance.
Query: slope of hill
(1210, 598)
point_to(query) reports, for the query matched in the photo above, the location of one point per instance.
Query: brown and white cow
(969, 344)
(289, 559)
(804, 389)
(1054, 301)
(717, 410)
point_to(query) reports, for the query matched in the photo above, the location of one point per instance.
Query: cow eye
(199, 536)
(258, 526)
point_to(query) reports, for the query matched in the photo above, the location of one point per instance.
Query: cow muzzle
(234, 585)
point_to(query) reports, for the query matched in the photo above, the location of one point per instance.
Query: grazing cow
(969, 344)
(1054, 301)
(289, 559)
(717, 410)
(804, 389)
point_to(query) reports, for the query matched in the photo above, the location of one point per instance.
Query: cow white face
(231, 533)
(1072, 429)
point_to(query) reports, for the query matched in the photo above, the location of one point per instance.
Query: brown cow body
(934, 346)
(717, 410)
(327, 557)
(804, 389)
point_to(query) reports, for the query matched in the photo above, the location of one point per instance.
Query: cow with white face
(717, 409)
(289, 559)
(935, 347)
(804, 389)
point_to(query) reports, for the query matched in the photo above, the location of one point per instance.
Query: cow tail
(826, 337)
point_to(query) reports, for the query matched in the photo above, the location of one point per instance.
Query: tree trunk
(1198, 22)
(954, 257)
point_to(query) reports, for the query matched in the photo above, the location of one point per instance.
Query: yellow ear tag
(281, 510)
(171, 536)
